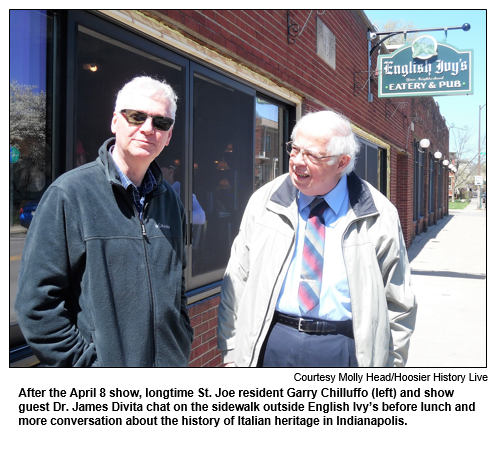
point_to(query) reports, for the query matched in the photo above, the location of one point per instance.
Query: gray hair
(147, 86)
(343, 140)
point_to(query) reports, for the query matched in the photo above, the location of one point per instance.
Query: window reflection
(367, 165)
(267, 142)
(222, 175)
(30, 169)
(104, 66)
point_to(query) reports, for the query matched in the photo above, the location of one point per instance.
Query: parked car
(26, 213)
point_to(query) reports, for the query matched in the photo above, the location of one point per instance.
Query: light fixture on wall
(445, 162)
(222, 165)
(423, 143)
(91, 67)
(437, 155)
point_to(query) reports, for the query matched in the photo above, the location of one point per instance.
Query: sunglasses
(137, 118)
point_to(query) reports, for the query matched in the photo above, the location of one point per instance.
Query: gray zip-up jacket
(383, 304)
(97, 285)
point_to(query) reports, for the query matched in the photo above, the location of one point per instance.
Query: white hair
(147, 86)
(343, 140)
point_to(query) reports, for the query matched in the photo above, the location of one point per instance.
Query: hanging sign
(425, 67)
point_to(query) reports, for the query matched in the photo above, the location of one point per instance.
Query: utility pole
(479, 168)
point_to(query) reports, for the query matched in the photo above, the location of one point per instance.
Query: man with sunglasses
(318, 274)
(101, 280)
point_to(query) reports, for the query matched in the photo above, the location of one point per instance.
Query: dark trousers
(287, 347)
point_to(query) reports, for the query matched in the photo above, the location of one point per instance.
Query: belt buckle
(300, 324)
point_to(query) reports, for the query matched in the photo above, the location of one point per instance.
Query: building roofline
(371, 27)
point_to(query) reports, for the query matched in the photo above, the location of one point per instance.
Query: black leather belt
(314, 326)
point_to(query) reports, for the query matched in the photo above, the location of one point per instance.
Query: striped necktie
(313, 257)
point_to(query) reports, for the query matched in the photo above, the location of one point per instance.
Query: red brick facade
(203, 317)
(257, 40)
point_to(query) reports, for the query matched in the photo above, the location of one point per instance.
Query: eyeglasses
(294, 150)
(137, 118)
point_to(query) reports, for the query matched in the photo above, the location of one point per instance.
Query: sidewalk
(448, 266)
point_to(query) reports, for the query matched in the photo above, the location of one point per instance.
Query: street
(449, 266)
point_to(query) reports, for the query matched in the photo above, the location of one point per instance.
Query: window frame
(431, 184)
(440, 186)
(20, 353)
(207, 281)
(418, 211)
(381, 164)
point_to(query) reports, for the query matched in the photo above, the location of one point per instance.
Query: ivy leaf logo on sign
(424, 47)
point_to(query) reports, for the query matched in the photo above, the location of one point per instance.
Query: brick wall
(203, 317)
(404, 197)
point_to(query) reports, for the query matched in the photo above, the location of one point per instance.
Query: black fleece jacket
(95, 289)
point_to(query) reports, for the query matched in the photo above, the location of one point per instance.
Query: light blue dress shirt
(335, 304)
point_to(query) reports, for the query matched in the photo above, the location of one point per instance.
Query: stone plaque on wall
(326, 44)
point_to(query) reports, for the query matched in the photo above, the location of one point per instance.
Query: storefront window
(415, 195)
(440, 187)
(368, 164)
(431, 185)
(268, 142)
(223, 114)
(30, 168)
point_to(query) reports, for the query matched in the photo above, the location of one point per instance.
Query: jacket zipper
(152, 305)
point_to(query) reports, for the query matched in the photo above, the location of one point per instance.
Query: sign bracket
(357, 85)
(397, 105)
(294, 30)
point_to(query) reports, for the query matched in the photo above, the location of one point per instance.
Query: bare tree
(396, 25)
(28, 122)
(28, 134)
(465, 151)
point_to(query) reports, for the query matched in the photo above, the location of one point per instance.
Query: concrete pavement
(449, 266)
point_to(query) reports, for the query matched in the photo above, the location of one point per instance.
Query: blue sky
(462, 110)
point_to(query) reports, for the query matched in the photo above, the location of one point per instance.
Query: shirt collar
(149, 181)
(334, 198)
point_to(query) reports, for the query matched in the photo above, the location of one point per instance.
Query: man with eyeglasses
(318, 274)
(101, 280)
